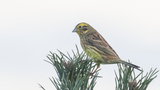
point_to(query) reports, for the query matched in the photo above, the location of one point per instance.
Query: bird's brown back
(95, 41)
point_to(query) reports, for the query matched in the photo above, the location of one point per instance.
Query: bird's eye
(79, 26)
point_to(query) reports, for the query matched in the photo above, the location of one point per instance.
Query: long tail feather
(132, 65)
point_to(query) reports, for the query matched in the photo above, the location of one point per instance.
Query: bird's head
(83, 29)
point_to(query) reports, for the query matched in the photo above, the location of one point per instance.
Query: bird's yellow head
(83, 29)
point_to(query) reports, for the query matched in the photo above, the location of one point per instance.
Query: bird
(97, 48)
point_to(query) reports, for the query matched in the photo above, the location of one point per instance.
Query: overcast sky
(29, 29)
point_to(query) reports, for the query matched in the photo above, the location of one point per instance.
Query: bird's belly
(94, 55)
(101, 59)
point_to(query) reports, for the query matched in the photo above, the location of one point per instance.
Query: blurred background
(29, 29)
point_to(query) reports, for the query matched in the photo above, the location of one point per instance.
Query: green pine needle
(73, 72)
(127, 80)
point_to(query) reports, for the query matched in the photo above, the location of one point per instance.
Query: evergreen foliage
(74, 73)
(126, 79)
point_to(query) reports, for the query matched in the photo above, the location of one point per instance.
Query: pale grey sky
(29, 29)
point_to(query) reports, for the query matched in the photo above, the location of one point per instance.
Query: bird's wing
(97, 41)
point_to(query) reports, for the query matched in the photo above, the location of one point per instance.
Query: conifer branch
(73, 72)
(127, 80)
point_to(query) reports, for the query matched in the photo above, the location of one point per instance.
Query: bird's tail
(132, 65)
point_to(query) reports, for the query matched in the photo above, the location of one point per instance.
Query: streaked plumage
(97, 47)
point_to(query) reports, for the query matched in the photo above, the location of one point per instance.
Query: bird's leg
(98, 65)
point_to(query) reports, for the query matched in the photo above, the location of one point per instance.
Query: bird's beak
(74, 30)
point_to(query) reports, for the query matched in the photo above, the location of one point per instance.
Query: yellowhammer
(97, 47)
